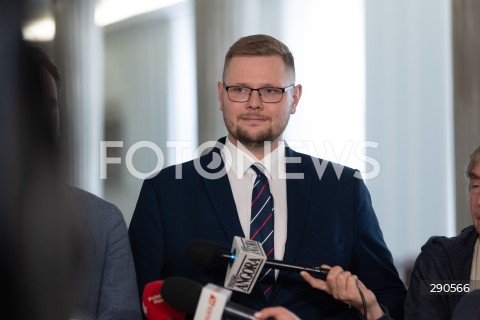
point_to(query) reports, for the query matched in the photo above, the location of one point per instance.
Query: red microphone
(154, 307)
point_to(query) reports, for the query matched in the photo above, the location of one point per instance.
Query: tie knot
(257, 170)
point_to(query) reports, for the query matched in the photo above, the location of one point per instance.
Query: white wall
(409, 113)
(327, 42)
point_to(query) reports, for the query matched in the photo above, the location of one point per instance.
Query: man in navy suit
(320, 218)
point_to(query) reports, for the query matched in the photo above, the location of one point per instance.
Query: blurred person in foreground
(41, 244)
(106, 285)
(308, 214)
(448, 268)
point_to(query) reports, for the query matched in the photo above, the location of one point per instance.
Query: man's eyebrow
(473, 175)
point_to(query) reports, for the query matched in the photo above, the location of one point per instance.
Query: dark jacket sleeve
(442, 260)
(419, 303)
(374, 262)
(106, 288)
(118, 293)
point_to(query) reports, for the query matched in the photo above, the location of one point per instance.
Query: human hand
(277, 313)
(344, 286)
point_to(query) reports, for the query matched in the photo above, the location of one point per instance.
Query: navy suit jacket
(330, 221)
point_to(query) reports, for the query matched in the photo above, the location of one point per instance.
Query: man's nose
(255, 101)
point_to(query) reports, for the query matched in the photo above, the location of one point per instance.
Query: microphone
(208, 254)
(210, 302)
(155, 307)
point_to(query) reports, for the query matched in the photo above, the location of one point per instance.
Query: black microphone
(209, 302)
(208, 254)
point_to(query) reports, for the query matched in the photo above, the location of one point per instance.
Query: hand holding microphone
(246, 259)
(346, 287)
(277, 313)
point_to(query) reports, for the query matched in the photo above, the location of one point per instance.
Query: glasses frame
(284, 89)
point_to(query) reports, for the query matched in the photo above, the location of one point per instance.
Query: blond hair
(259, 45)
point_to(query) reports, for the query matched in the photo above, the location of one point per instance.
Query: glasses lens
(271, 95)
(238, 94)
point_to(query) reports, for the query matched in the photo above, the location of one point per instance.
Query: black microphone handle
(235, 311)
(280, 265)
(318, 272)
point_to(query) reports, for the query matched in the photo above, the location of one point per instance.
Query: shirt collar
(273, 164)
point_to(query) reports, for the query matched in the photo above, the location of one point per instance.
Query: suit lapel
(298, 195)
(220, 192)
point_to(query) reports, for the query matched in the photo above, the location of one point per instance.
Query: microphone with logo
(210, 302)
(245, 261)
(155, 307)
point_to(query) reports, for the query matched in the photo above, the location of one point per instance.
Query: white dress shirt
(237, 163)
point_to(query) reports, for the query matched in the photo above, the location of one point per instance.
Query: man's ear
(220, 94)
(297, 93)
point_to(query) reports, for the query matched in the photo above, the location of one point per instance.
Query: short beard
(256, 142)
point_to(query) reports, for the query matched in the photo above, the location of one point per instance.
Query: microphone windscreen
(154, 306)
(181, 293)
(204, 252)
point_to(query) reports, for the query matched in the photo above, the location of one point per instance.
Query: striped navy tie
(261, 226)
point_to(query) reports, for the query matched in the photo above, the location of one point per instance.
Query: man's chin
(253, 139)
(254, 142)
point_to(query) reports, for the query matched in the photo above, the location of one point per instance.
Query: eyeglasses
(267, 95)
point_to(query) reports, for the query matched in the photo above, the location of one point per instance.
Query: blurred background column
(213, 37)
(466, 65)
(150, 97)
(78, 48)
